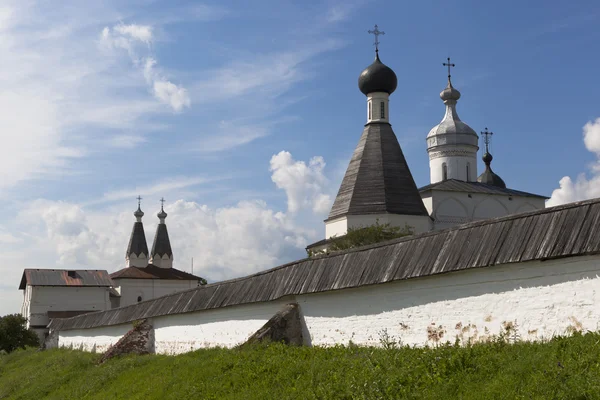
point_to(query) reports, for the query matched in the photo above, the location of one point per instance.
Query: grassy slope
(565, 368)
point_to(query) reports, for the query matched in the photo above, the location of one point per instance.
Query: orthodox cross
(376, 32)
(487, 136)
(449, 65)
(162, 202)
(139, 199)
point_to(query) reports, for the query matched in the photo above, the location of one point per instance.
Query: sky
(244, 118)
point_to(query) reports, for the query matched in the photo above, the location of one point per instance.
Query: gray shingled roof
(162, 244)
(65, 277)
(454, 185)
(378, 179)
(153, 272)
(137, 241)
(563, 231)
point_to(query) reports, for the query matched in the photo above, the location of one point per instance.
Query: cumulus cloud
(583, 187)
(137, 40)
(304, 185)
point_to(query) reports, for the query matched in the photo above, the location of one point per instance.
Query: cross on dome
(449, 65)
(162, 202)
(487, 137)
(139, 199)
(376, 32)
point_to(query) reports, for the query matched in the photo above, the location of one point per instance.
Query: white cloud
(129, 37)
(304, 184)
(126, 141)
(583, 187)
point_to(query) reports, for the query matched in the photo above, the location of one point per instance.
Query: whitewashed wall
(452, 208)
(97, 339)
(541, 299)
(536, 300)
(340, 226)
(41, 299)
(225, 327)
(148, 289)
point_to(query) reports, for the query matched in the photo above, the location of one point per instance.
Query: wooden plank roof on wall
(563, 231)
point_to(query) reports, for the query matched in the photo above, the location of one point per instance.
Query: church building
(148, 275)
(379, 187)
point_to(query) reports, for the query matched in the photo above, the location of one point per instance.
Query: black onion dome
(488, 176)
(377, 77)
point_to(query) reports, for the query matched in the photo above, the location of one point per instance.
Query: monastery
(484, 259)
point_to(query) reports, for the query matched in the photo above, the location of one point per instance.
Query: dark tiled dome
(377, 77)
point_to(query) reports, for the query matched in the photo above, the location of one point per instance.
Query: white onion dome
(377, 77)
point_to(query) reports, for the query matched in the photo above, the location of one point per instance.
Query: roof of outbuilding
(61, 277)
(378, 179)
(563, 231)
(454, 185)
(152, 272)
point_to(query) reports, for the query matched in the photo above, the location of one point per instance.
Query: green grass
(564, 368)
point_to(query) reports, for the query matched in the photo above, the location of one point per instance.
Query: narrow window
(382, 110)
(139, 298)
(444, 172)
(370, 110)
(468, 172)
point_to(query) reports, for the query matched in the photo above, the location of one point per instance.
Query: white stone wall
(340, 226)
(96, 340)
(148, 289)
(533, 301)
(227, 327)
(452, 208)
(456, 160)
(374, 101)
(540, 299)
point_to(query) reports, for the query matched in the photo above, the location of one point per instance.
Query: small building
(55, 293)
(148, 275)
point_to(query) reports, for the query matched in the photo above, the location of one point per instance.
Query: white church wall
(339, 227)
(456, 161)
(226, 327)
(131, 260)
(453, 208)
(95, 339)
(147, 289)
(538, 299)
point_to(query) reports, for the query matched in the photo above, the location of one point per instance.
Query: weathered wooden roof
(378, 179)
(65, 277)
(563, 231)
(162, 244)
(454, 185)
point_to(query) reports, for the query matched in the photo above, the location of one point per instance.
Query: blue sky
(197, 101)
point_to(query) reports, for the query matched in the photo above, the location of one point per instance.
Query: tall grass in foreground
(563, 368)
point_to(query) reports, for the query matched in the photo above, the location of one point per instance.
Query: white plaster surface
(456, 166)
(96, 339)
(226, 327)
(340, 226)
(374, 101)
(537, 299)
(541, 299)
(453, 208)
(147, 289)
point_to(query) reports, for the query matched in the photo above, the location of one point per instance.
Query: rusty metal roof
(153, 272)
(563, 231)
(65, 277)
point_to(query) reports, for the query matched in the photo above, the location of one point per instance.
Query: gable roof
(378, 179)
(65, 277)
(455, 185)
(137, 241)
(564, 231)
(153, 272)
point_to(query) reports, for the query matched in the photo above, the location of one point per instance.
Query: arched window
(370, 110)
(444, 172)
(468, 172)
(139, 298)
(382, 110)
